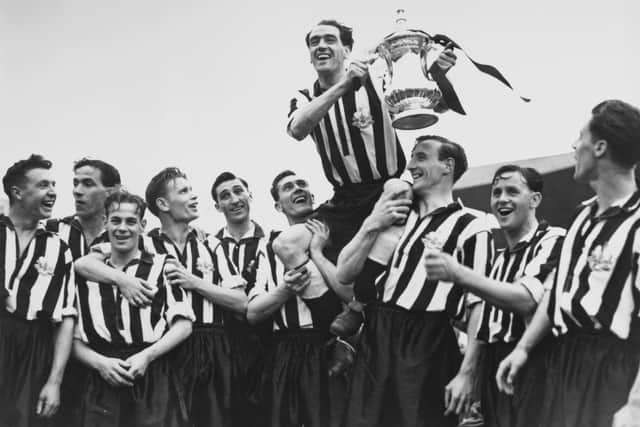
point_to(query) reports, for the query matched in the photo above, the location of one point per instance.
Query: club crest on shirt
(362, 119)
(43, 267)
(204, 265)
(599, 260)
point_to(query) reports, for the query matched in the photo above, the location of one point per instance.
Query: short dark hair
(123, 196)
(346, 33)
(449, 149)
(109, 175)
(531, 176)
(224, 177)
(157, 187)
(618, 123)
(16, 174)
(276, 181)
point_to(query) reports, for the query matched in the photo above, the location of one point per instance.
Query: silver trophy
(413, 97)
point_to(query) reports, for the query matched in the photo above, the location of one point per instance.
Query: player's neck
(92, 226)
(514, 236)
(613, 185)
(121, 259)
(176, 231)
(237, 230)
(22, 222)
(293, 220)
(433, 200)
(327, 79)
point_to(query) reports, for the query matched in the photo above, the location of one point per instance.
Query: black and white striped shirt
(596, 286)
(40, 281)
(529, 263)
(355, 139)
(70, 230)
(296, 313)
(106, 317)
(203, 261)
(243, 254)
(457, 229)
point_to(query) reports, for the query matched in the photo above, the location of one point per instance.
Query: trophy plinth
(409, 91)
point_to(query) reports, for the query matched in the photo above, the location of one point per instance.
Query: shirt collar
(527, 238)
(625, 204)
(254, 232)
(442, 210)
(6, 221)
(158, 233)
(145, 258)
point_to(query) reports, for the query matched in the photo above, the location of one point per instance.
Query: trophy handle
(423, 58)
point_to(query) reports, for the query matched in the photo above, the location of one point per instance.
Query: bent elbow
(296, 132)
(343, 276)
(528, 308)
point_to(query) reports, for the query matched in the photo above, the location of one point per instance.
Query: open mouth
(48, 203)
(503, 212)
(238, 209)
(323, 56)
(416, 175)
(299, 199)
(193, 205)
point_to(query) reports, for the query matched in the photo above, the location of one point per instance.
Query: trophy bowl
(411, 94)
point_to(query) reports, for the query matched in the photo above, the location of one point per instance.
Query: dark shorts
(588, 379)
(146, 404)
(246, 355)
(202, 365)
(26, 354)
(523, 408)
(403, 364)
(345, 212)
(295, 387)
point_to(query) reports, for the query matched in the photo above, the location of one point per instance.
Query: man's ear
(104, 219)
(278, 206)
(600, 148)
(16, 192)
(450, 165)
(536, 199)
(162, 204)
(143, 223)
(217, 206)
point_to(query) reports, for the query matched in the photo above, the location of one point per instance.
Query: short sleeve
(299, 99)
(540, 269)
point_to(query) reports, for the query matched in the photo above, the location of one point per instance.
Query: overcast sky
(205, 85)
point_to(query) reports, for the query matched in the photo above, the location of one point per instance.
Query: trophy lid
(403, 38)
(402, 29)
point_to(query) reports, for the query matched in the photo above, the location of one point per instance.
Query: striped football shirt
(355, 139)
(530, 262)
(596, 287)
(40, 281)
(455, 228)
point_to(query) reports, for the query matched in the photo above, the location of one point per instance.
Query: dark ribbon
(448, 92)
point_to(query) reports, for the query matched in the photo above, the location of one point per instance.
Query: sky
(205, 85)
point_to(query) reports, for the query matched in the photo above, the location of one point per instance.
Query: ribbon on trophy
(448, 92)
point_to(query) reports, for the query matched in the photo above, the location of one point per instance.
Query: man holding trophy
(346, 116)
